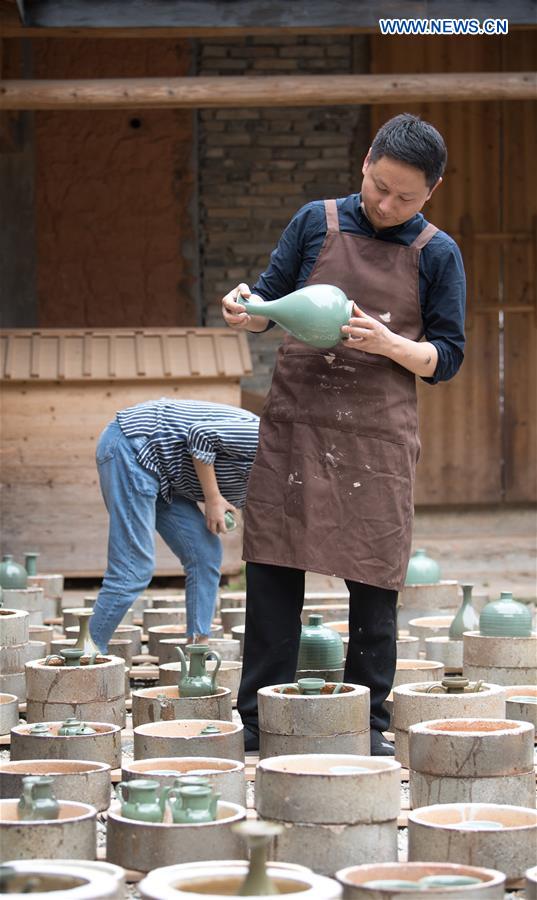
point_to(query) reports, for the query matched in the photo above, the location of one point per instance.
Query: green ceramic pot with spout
(37, 799)
(196, 681)
(141, 799)
(193, 804)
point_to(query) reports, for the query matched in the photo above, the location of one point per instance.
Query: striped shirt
(177, 430)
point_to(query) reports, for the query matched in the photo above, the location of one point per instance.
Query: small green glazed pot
(12, 576)
(140, 799)
(320, 646)
(422, 569)
(505, 618)
(37, 799)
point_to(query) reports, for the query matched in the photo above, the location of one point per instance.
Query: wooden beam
(265, 91)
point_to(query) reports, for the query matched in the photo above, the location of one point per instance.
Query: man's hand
(366, 333)
(235, 315)
(215, 510)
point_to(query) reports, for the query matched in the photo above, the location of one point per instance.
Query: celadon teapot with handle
(37, 799)
(141, 799)
(196, 681)
(193, 804)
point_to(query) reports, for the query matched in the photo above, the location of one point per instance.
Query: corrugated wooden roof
(123, 354)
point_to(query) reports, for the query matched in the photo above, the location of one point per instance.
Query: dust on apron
(331, 489)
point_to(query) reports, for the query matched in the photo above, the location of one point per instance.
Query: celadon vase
(37, 799)
(313, 314)
(320, 646)
(85, 641)
(13, 577)
(193, 804)
(422, 569)
(466, 618)
(30, 562)
(258, 835)
(505, 617)
(197, 682)
(140, 799)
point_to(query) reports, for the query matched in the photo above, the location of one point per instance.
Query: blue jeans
(136, 510)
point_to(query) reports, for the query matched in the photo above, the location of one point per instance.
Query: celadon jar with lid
(505, 617)
(320, 646)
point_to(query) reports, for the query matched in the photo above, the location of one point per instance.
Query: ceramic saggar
(189, 737)
(471, 760)
(448, 879)
(80, 880)
(73, 779)
(521, 703)
(500, 660)
(72, 834)
(335, 809)
(103, 745)
(226, 776)
(9, 712)
(94, 692)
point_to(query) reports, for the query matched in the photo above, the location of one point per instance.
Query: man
(156, 461)
(331, 490)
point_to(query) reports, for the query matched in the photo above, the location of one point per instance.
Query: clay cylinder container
(44, 633)
(52, 585)
(15, 683)
(355, 881)
(227, 648)
(429, 626)
(296, 723)
(14, 657)
(14, 624)
(164, 632)
(442, 833)
(154, 617)
(147, 845)
(531, 883)
(94, 692)
(226, 776)
(132, 633)
(64, 879)
(471, 760)
(445, 651)
(230, 616)
(411, 671)
(165, 703)
(418, 600)
(9, 712)
(103, 746)
(168, 601)
(237, 634)
(232, 599)
(229, 675)
(183, 737)
(218, 879)
(521, 703)
(73, 779)
(29, 600)
(72, 834)
(408, 646)
(336, 809)
(411, 704)
(500, 660)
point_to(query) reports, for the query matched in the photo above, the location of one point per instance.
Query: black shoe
(251, 740)
(380, 746)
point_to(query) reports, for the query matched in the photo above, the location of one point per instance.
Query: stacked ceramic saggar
(336, 809)
(504, 650)
(16, 650)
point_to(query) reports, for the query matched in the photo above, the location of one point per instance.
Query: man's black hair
(407, 139)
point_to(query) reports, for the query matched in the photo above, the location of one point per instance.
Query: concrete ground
(493, 548)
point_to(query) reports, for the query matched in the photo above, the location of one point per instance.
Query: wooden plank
(204, 92)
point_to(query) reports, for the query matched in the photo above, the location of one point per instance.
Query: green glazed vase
(197, 682)
(422, 569)
(30, 562)
(193, 804)
(229, 519)
(85, 641)
(37, 799)
(258, 835)
(466, 618)
(12, 576)
(320, 647)
(140, 799)
(505, 618)
(313, 314)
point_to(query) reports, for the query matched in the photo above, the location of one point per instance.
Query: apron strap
(332, 220)
(424, 236)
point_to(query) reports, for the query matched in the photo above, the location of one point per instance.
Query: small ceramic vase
(196, 682)
(258, 835)
(422, 569)
(140, 799)
(85, 641)
(230, 521)
(37, 799)
(505, 618)
(320, 646)
(75, 726)
(313, 314)
(12, 576)
(193, 804)
(466, 618)
(30, 562)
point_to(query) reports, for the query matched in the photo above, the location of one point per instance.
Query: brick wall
(258, 166)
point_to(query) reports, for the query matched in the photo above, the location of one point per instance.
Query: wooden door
(478, 430)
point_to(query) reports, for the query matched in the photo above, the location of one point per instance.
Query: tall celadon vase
(505, 617)
(258, 836)
(466, 618)
(13, 577)
(422, 569)
(85, 641)
(313, 314)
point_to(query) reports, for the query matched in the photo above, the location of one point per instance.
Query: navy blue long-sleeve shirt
(442, 283)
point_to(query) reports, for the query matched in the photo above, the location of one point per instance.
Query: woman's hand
(215, 510)
(366, 333)
(235, 315)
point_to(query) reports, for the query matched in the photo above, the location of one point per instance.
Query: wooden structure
(60, 388)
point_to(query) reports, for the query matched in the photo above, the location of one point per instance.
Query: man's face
(392, 192)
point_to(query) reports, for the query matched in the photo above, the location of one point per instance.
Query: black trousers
(274, 601)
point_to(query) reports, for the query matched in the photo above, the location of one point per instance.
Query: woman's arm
(215, 504)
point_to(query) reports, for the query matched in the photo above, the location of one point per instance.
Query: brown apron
(331, 489)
